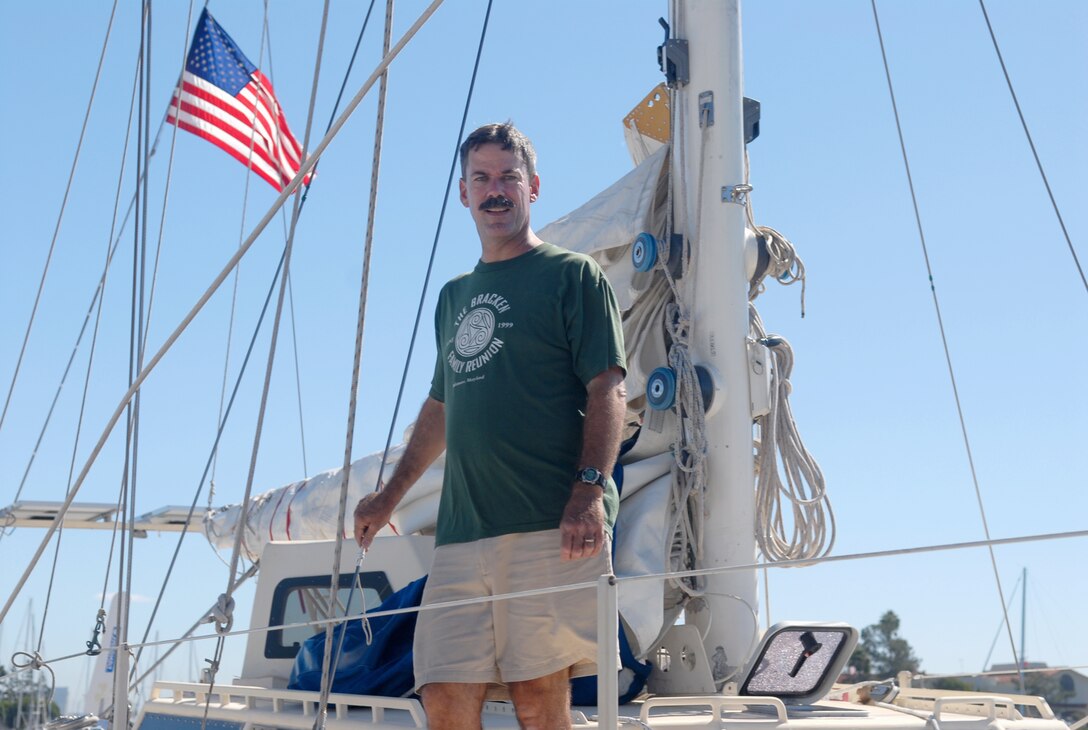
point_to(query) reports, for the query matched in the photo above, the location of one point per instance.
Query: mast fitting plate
(736, 194)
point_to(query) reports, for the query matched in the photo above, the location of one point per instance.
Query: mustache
(500, 202)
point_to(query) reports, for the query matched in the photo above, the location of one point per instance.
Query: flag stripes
(249, 124)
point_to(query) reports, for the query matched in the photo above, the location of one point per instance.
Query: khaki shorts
(509, 640)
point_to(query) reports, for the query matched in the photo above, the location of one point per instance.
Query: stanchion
(607, 655)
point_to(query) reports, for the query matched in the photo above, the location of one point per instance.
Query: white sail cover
(603, 228)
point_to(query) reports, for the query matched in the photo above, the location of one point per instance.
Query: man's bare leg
(543, 703)
(452, 706)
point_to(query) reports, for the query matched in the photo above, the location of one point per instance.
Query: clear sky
(872, 393)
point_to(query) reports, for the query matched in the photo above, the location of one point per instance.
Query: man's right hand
(371, 514)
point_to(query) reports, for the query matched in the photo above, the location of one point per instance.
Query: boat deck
(182, 706)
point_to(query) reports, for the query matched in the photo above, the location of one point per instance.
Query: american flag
(225, 99)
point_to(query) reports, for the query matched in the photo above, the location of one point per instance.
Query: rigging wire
(434, 250)
(99, 297)
(225, 415)
(174, 644)
(944, 338)
(168, 343)
(1031, 144)
(290, 281)
(120, 230)
(1000, 626)
(226, 599)
(215, 448)
(252, 124)
(136, 360)
(349, 435)
(298, 376)
(60, 215)
(169, 176)
(641, 578)
(224, 622)
(340, 93)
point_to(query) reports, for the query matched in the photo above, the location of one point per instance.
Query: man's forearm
(428, 440)
(606, 407)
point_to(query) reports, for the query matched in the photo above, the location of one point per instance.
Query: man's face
(497, 190)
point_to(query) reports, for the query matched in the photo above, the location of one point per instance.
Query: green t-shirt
(518, 341)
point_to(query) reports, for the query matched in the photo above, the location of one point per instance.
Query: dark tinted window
(299, 600)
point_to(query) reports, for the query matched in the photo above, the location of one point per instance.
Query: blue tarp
(384, 668)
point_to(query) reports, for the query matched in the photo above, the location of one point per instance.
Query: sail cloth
(225, 99)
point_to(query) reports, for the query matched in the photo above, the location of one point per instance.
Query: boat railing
(295, 709)
(292, 709)
(992, 706)
(717, 703)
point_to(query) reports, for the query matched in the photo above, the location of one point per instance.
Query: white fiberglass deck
(177, 706)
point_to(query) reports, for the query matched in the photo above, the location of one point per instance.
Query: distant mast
(720, 309)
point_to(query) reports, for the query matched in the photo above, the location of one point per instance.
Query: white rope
(808, 530)
(784, 264)
(785, 470)
(686, 499)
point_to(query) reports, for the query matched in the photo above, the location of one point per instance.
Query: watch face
(590, 475)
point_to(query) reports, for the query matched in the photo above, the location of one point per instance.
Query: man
(528, 402)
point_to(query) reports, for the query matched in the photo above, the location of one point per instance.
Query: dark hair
(507, 136)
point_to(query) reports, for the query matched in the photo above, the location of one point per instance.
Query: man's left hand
(582, 527)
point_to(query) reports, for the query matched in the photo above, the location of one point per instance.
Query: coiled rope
(810, 531)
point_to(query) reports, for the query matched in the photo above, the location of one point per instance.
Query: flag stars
(215, 61)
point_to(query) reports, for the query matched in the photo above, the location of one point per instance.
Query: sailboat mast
(710, 167)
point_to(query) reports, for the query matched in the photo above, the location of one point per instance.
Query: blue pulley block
(644, 252)
(661, 389)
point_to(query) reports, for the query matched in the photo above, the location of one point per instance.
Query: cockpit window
(306, 599)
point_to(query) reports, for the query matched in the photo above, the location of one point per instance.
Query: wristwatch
(590, 475)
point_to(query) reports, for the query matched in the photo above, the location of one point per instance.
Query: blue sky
(871, 389)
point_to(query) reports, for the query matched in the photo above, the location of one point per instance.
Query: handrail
(717, 703)
(187, 698)
(990, 702)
